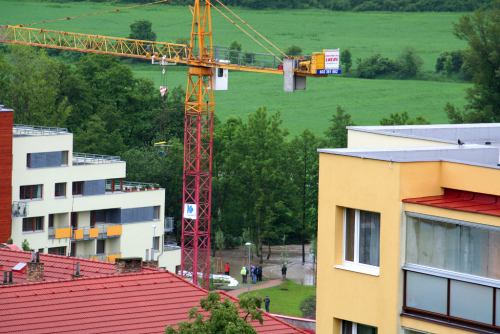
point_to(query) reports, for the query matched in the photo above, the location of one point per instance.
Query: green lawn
(364, 33)
(286, 302)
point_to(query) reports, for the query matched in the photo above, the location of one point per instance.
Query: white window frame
(354, 327)
(350, 265)
(407, 330)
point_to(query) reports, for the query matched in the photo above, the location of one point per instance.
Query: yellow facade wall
(378, 186)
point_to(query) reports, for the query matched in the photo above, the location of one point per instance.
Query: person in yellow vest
(243, 273)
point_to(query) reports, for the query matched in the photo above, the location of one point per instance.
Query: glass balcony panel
(425, 292)
(471, 301)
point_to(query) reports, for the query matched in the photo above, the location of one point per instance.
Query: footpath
(269, 284)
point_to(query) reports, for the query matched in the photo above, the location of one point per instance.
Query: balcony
(452, 299)
(93, 159)
(168, 224)
(129, 186)
(99, 231)
(170, 245)
(109, 257)
(19, 209)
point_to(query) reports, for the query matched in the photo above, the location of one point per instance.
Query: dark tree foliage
(293, 50)
(403, 119)
(482, 57)
(336, 134)
(374, 66)
(142, 30)
(457, 61)
(346, 60)
(409, 63)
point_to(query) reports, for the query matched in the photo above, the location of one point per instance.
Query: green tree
(234, 51)
(225, 317)
(409, 63)
(182, 40)
(219, 239)
(94, 138)
(481, 30)
(303, 164)
(403, 119)
(35, 88)
(26, 246)
(346, 60)
(142, 30)
(5, 80)
(293, 50)
(258, 148)
(337, 133)
(234, 46)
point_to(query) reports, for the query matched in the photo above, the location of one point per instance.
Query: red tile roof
(143, 302)
(462, 201)
(56, 266)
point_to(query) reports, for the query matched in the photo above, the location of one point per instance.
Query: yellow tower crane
(199, 106)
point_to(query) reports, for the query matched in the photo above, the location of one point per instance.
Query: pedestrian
(226, 269)
(254, 275)
(259, 274)
(243, 275)
(267, 301)
(283, 272)
(247, 272)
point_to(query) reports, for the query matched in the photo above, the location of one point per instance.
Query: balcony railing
(129, 186)
(91, 159)
(59, 232)
(19, 209)
(110, 257)
(170, 245)
(99, 231)
(168, 224)
(451, 298)
(22, 130)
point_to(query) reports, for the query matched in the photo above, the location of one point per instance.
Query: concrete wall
(361, 139)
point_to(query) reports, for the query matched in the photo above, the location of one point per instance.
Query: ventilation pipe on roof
(147, 255)
(4, 277)
(77, 274)
(10, 281)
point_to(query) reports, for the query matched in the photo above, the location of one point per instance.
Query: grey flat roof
(478, 133)
(481, 155)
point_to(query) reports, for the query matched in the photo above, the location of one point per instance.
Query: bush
(457, 61)
(409, 63)
(26, 246)
(293, 50)
(308, 307)
(346, 59)
(10, 241)
(375, 65)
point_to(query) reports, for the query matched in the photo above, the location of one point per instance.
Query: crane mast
(198, 147)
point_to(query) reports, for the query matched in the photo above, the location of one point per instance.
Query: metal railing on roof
(170, 245)
(90, 159)
(102, 231)
(98, 257)
(129, 185)
(21, 130)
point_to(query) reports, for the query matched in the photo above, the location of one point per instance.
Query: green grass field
(364, 33)
(286, 302)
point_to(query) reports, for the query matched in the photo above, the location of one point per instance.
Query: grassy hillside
(314, 30)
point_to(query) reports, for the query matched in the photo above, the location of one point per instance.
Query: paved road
(269, 284)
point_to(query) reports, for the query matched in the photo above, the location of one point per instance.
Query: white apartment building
(77, 204)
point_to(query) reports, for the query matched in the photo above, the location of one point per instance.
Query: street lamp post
(249, 270)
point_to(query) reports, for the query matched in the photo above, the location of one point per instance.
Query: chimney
(35, 270)
(150, 264)
(77, 274)
(125, 265)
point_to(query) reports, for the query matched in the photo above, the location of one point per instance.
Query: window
(362, 239)
(156, 214)
(32, 224)
(40, 250)
(453, 245)
(156, 243)
(31, 192)
(97, 217)
(57, 250)
(114, 185)
(60, 190)
(64, 158)
(28, 160)
(73, 249)
(220, 72)
(51, 220)
(355, 328)
(101, 246)
(78, 188)
(74, 219)
(414, 331)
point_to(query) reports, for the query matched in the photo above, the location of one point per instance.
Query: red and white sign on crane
(332, 59)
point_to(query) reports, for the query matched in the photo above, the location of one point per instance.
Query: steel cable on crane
(108, 11)
(251, 28)
(217, 9)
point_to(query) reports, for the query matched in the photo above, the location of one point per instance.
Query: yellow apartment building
(409, 233)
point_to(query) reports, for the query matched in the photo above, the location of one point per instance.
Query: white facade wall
(135, 237)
